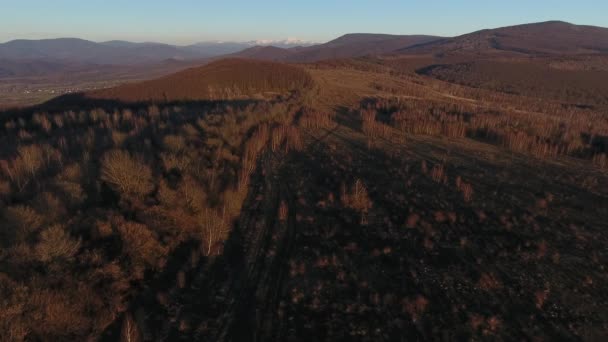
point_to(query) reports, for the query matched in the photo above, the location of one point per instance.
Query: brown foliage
(372, 128)
(438, 174)
(129, 331)
(126, 174)
(415, 307)
(19, 222)
(65, 237)
(283, 211)
(56, 244)
(357, 198)
(466, 189)
(286, 138)
(315, 119)
(29, 162)
(140, 244)
(214, 230)
(538, 129)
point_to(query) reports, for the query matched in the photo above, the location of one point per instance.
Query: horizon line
(270, 41)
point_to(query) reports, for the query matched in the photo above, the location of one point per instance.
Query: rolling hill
(546, 38)
(389, 206)
(44, 62)
(27, 68)
(347, 46)
(224, 79)
(120, 52)
(80, 50)
(357, 45)
(580, 87)
(269, 53)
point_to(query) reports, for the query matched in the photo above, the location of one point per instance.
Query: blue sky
(187, 21)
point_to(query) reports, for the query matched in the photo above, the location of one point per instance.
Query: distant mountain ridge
(80, 50)
(346, 46)
(123, 52)
(359, 44)
(545, 38)
(19, 58)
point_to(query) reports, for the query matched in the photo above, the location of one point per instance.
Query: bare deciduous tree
(129, 331)
(213, 229)
(55, 243)
(357, 199)
(126, 174)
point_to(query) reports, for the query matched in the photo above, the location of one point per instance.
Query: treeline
(531, 79)
(580, 134)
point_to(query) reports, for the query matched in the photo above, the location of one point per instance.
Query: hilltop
(546, 38)
(224, 79)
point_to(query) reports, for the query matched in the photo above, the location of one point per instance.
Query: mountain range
(347, 46)
(123, 52)
(24, 58)
(536, 39)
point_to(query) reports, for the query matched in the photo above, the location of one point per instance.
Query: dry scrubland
(345, 200)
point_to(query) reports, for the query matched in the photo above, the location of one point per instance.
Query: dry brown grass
(357, 198)
(315, 119)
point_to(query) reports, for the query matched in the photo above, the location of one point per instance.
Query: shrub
(438, 174)
(357, 199)
(166, 196)
(233, 201)
(129, 331)
(174, 143)
(601, 160)
(29, 161)
(60, 314)
(32, 158)
(13, 325)
(314, 119)
(126, 174)
(374, 129)
(465, 188)
(5, 189)
(283, 211)
(72, 192)
(56, 244)
(50, 206)
(140, 244)
(415, 307)
(214, 230)
(20, 222)
(118, 138)
(192, 194)
(171, 161)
